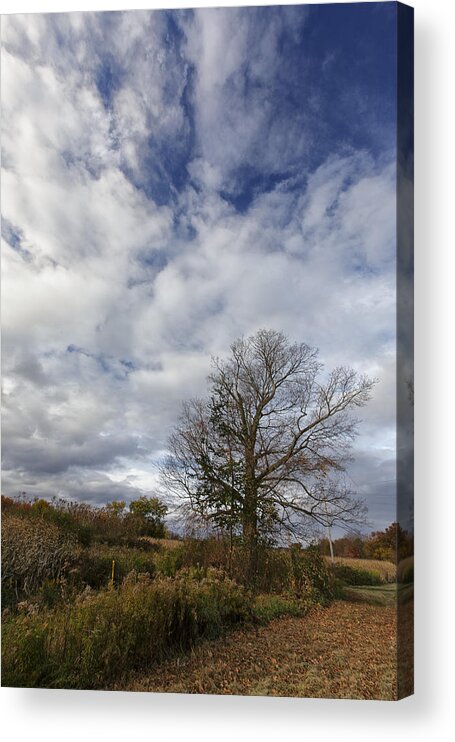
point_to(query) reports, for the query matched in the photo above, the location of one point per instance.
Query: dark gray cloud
(44, 456)
(74, 485)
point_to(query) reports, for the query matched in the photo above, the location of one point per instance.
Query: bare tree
(261, 452)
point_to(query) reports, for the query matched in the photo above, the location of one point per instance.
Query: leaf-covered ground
(347, 650)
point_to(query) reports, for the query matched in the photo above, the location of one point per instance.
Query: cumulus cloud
(167, 188)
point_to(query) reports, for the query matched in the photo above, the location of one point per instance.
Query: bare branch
(269, 443)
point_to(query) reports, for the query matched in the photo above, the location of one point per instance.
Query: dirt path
(344, 651)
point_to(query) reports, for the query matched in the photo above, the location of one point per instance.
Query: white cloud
(234, 84)
(143, 294)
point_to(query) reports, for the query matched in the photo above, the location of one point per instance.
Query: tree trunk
(250, 538)
(329, 534)
(250, 518)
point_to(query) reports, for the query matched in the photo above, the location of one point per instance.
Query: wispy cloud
(172, 180)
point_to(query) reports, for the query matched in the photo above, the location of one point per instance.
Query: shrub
(71, 518)
(150, 511)
(94, 564)
(296, 570)
(88, 524)
(311, 574)
(103, 635)
(274, 570)
(169, 561)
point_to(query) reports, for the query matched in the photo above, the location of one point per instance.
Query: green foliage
(311, 574)
(43, 557)
(52, 592)
(94, 565)
(373, 594)
(88, 643)
(356, 576)
(74, 519)
(169, 561)
(295, 570)
(279, 570)
(151, 512)
(274, 569)
(62, 633)
(267, 607)
(116, 507)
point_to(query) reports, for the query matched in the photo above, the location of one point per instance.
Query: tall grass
(101, 636)
(95, 564)
(33, 552)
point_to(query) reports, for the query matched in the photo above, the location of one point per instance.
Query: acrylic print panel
(207, 350)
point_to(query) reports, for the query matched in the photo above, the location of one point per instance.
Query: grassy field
(375, 594)
(387, 594)
(386, 570)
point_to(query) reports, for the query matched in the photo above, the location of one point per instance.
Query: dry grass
(344, 651)
(33, 551)
(103, 635)
(165, 543)
(386, 570)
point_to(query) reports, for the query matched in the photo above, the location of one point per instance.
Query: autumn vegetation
(392, 545)
(91, 595)
(94, 596)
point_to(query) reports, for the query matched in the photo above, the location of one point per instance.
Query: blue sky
(173, 180)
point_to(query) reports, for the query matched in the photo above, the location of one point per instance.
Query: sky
(171, 181)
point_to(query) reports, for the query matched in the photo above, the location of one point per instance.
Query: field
(386, 570)
(93, 602)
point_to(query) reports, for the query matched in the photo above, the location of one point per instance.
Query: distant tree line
(391, 545)
(110, 523)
